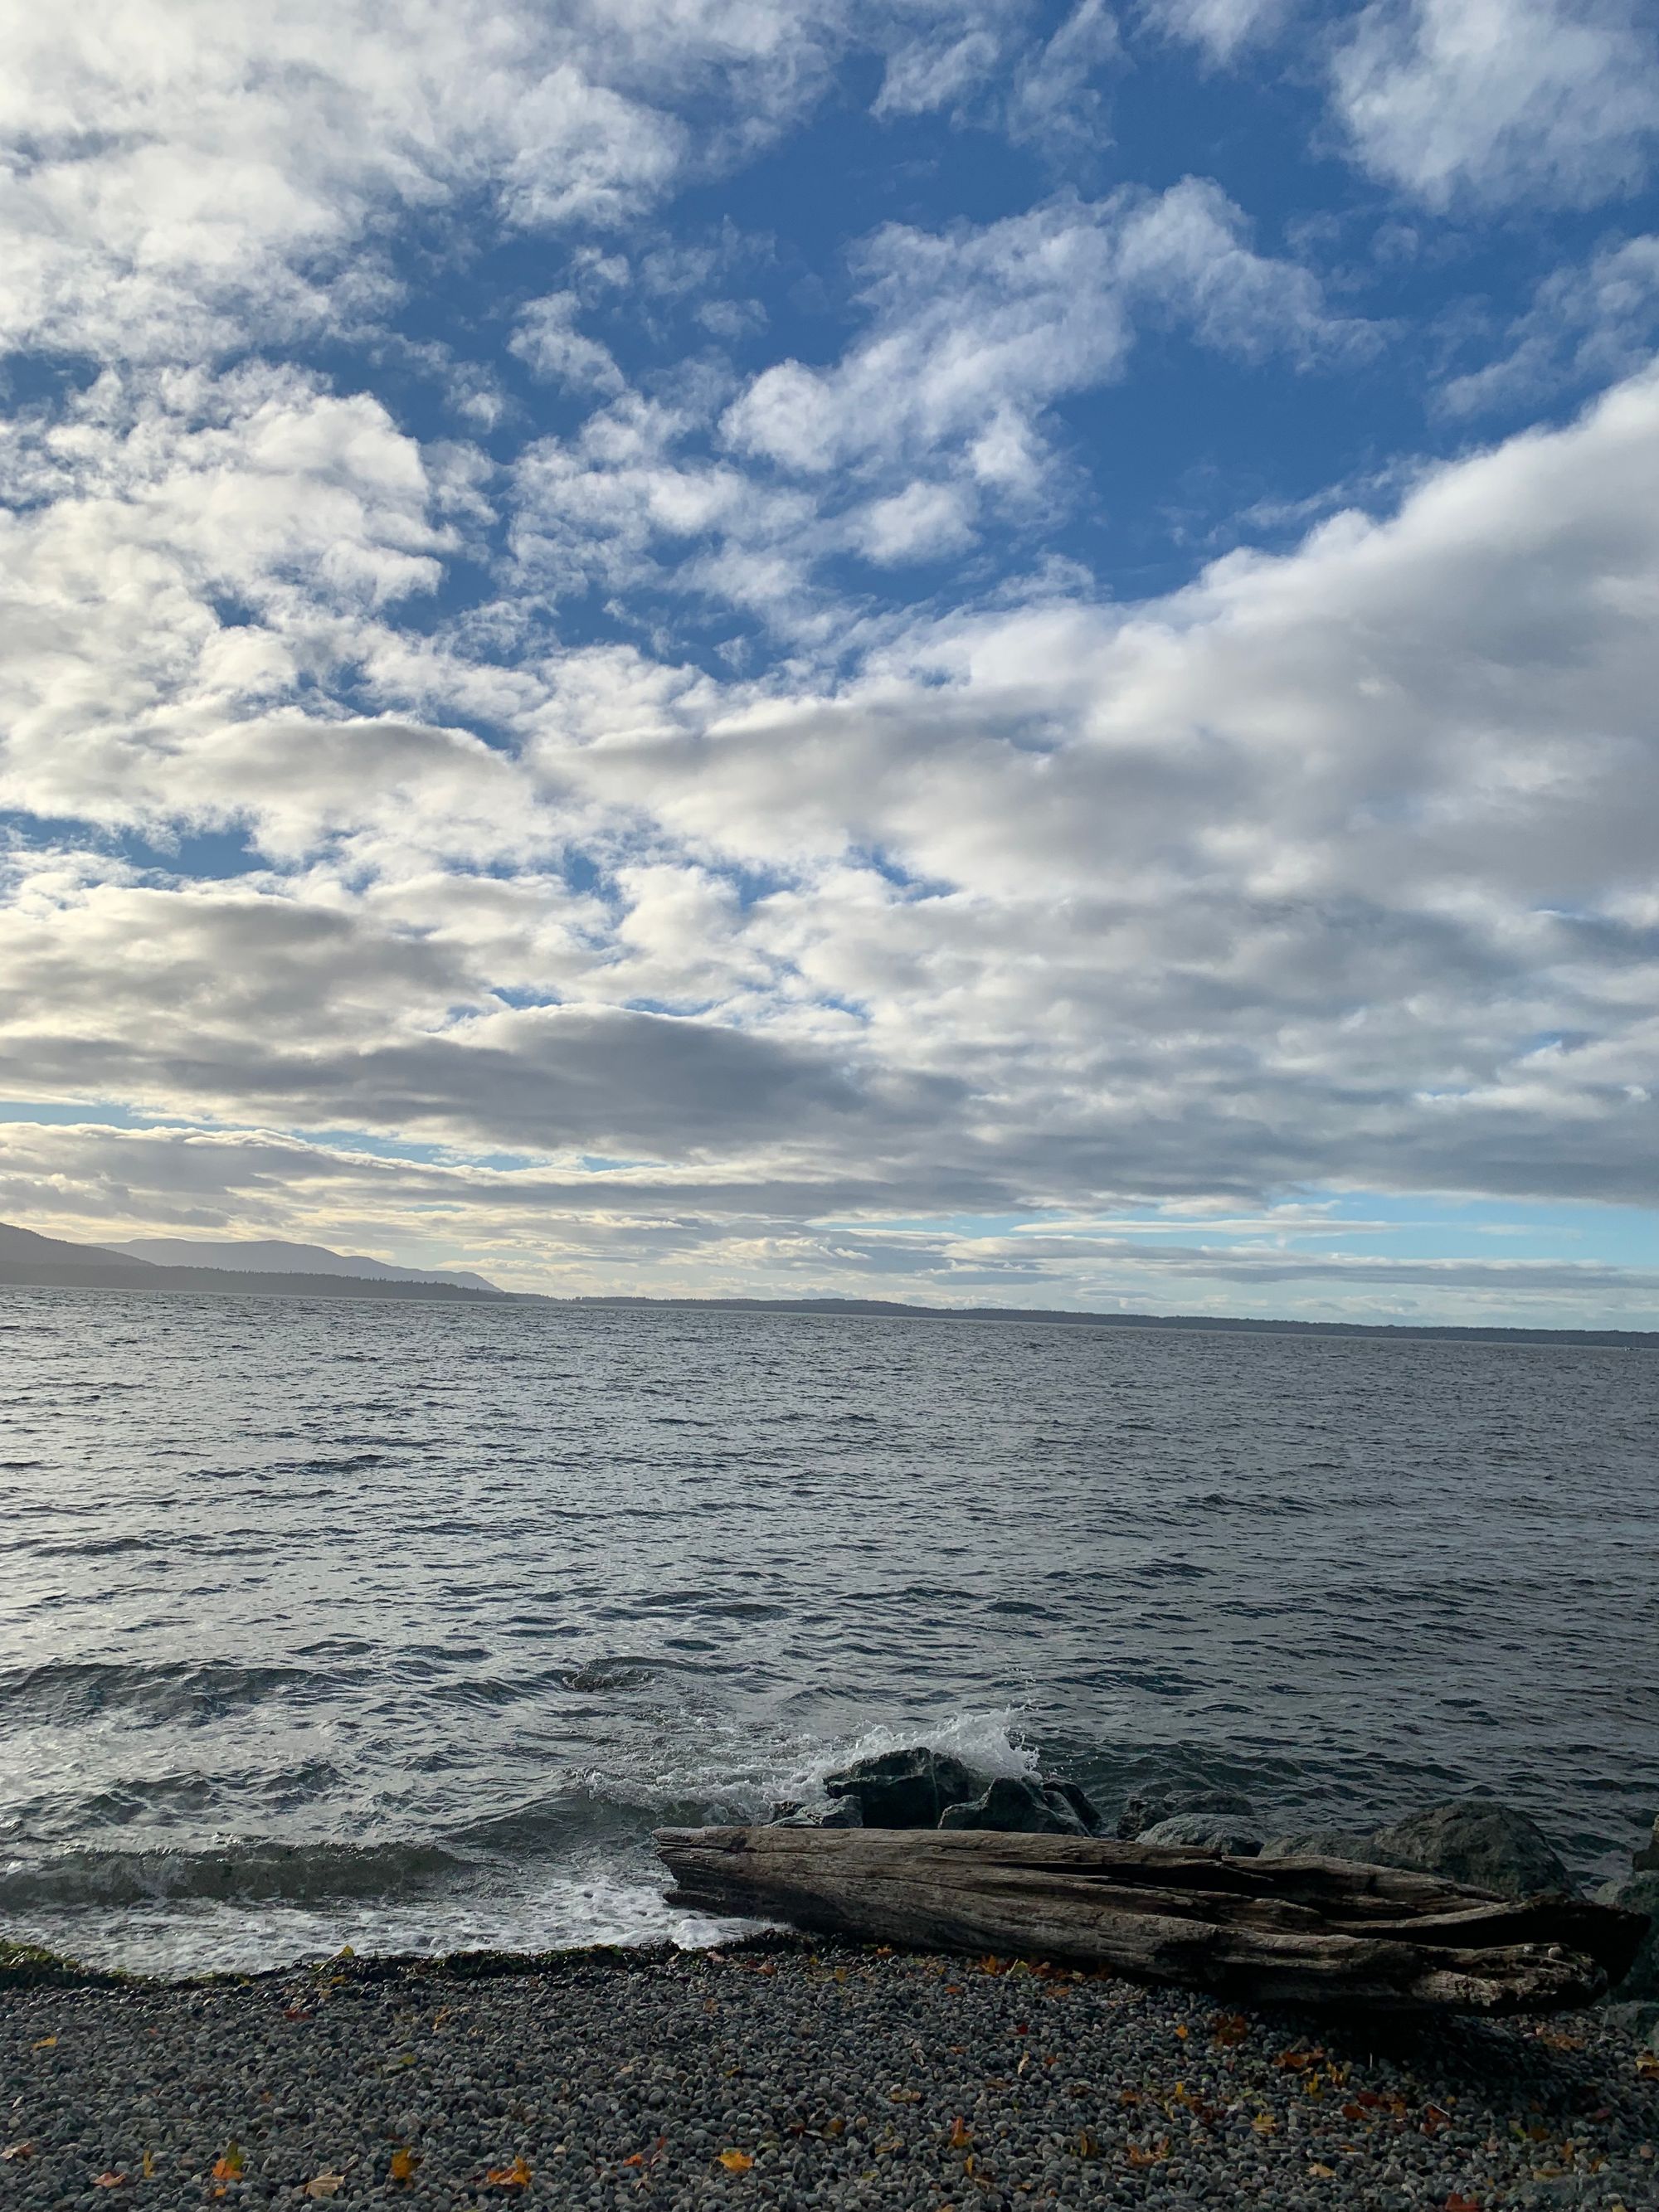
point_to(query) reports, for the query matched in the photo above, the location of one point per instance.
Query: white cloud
(1555, 100)
(1224, 29)
(975, 331)
(547, 339)
(1586, 324)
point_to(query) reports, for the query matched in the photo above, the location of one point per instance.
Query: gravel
(789, 2074)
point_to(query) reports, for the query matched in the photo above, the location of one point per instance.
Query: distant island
(243, 1268)
(28, 1260)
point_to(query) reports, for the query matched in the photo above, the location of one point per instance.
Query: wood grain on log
(1319, 1931)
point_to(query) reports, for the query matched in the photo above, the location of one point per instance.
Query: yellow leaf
(149, 2166)
(47, 2043)
(230, 2167)
(519, 2175)
(403, 2163)
(736, 2161)
(325, 2184)
(1265, 2123)
(1647, 2066)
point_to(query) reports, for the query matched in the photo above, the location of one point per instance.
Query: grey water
(401, 1625)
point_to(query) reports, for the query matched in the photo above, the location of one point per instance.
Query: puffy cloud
(1498, 100)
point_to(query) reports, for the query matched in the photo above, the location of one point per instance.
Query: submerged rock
(1320, 1843)
(1475, 1840)
(903, 1788)
(1646, 1861)
(1204, 1831)
(1145, 1810)
(1637, 1893)
(1017, 1807)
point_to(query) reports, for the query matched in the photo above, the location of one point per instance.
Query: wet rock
(844, 1813)
(1320, 1843)
(1475, 1840)
(1094, 1821)
(905, 1788)
(1145, 1810)
(1637, 1893)
(1646, 1860)
(1204, 1831)
(1015, 1807)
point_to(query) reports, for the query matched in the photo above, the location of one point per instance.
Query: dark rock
(1143, 1811)
(1320, 1843)
(905, 1788)
(1479, 1841)
(1204, 1831)
(1093, 1819)
(844, 1813)
(1637, 1893)
(782, 1809)
(1646, 1861)
(1015, 1807)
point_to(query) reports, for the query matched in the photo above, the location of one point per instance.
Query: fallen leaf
(1297, 2062)
(1086, 2146)
(230, 2167)
(990, 1964)
(47, 2043)
(1457, 2203)
(1318, 2173)
(110, 2181)
(325, 2185)
(297, 2012)
(904, 2096)
(149, 2166)
(961, 2134)
(1230, 2027)
(403, 2163)
(1265, 2124)
(1558, 2039)
(1155, 2156)
(735, 2161)
(1183, 2031)
(519, 2175)
(20, 2150)
(1647, 2066)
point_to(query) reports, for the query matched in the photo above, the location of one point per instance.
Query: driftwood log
(1291, 1931)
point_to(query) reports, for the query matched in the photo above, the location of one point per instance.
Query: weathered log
(1294, 1931)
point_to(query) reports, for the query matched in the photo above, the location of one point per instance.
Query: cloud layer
(647, 774)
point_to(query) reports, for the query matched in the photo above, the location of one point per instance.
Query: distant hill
(269, 1256)
(51, 1262)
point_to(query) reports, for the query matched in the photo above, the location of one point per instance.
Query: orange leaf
(990, 1964)
(1297, 2062)
(403, 2163)
(1457, 2203)
(736, 2161)
(1230, 2027)
(519, 2175)
(230, 2167)
(1159, 2151)
(961, 2134)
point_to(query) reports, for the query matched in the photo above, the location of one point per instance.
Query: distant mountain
(50, 1262)
(271, 1256)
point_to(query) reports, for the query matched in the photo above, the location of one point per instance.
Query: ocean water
(402, 1626)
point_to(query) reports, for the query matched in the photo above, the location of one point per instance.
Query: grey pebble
(849, 2076)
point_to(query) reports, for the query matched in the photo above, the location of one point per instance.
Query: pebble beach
(789, 2073)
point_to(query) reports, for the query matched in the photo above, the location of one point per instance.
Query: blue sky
(955, 648)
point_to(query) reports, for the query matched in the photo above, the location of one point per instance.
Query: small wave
(177, 1690)
(300, 1873)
